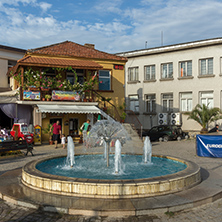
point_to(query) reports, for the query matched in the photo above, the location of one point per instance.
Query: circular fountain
(112, 180)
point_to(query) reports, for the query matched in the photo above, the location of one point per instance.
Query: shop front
(70, 116)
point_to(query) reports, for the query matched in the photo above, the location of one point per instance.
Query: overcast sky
(112, 25)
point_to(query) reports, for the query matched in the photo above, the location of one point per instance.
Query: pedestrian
(215, 129)
(84, 129)
(63, 141)
(56, 132)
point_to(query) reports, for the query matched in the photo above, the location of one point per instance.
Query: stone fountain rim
(191, 169)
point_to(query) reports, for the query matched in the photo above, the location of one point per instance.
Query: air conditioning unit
(175, 119)
(162, 118)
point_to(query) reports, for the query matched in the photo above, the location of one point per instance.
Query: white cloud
(45, 6)
(180, 21)
(112, 6)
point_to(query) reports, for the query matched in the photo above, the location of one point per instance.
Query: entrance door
(73, 127)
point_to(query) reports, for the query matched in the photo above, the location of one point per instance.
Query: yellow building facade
(105, 97)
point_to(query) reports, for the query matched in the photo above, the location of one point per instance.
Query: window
(134, 74)
(167, 102)
(104, 80)
(206, 66)
(134, 103)
(207, 99)
(186, 102)
(167, 70)
(150, 103)
(49, 72)
(73, 126)
(185, 68)
(150, 72)
(11, 63)
(71, 77)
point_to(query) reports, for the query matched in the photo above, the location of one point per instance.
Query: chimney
(92, 46)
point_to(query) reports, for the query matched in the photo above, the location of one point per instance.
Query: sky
(112, 25)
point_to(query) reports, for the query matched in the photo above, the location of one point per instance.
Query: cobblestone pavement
(211, 212)
(207, 213)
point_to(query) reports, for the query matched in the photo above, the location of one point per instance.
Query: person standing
(63, 141)
(56, 132)
(84, 128)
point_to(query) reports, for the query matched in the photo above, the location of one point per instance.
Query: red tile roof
(72, 49)
(43, 61)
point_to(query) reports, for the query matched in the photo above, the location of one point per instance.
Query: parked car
(20, 132)
(166, 132)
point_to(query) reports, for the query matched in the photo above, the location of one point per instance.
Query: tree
(204, 115)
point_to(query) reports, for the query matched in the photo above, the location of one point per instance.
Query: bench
(16, 145)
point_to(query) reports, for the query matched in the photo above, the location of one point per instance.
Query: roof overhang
(58, 62)
(68, 109)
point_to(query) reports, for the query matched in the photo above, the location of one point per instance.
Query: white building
(173, 79)
(8, 58)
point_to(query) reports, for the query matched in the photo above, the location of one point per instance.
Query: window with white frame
(150, 72)
(104, 80)
(134, 103)
(134, 74)
(167, 70)
(186, 102)
(167, 102)
(185, 68)
(221, 66)
(150, 103)
(206, 66)
(207, 99)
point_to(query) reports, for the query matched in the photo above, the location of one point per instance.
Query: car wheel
(165, 138)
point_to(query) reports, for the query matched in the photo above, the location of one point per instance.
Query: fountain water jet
(118, 161)
(107, 130)
(70, 159)
(147, 150)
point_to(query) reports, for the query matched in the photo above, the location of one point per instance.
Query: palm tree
(204, 115)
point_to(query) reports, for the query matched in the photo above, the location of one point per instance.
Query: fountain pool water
(94, 167)
(123, 176)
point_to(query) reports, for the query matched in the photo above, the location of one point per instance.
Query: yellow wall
(117, 84)
(64, 117)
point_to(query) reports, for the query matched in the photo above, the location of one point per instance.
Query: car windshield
(24, 128)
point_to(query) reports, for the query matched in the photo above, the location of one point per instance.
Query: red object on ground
(20, 131)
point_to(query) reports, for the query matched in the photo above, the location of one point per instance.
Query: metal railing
(132, 119)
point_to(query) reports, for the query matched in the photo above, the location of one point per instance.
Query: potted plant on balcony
(48, 97)
(122, 117)
(46, 83)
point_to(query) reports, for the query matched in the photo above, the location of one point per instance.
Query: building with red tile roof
(88, 64)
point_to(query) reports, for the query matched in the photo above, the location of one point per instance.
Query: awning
(68, 109)
(9, 96)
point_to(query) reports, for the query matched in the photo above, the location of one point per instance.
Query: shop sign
(65, 95)
(30, 95)
(120, 67)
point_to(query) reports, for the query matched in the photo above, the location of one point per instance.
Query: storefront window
(73, 126)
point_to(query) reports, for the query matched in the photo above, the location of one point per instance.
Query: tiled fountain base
(13, 191)
(111, 189)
